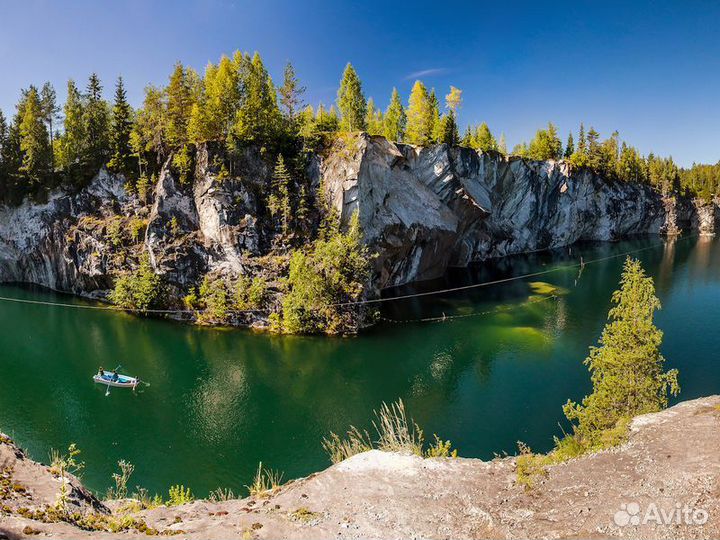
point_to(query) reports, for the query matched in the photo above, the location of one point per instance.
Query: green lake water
(220, 401)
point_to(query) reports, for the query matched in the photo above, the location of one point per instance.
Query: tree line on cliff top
(237, 103)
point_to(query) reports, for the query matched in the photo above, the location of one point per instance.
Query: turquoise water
(220, 401)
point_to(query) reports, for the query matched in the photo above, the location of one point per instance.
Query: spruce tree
(279, 200)
(120, 131)
(395, 120)
(34, 143)
(435, 127)
(258, 116)
(502, 145)
(50, 111)
(97, 124)
(484, 140)
(420, 116)
(570, 146)
(351, 101)
(374, 119)
(181, 93)
(626, 367)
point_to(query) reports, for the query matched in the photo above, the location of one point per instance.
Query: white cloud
(426, 73)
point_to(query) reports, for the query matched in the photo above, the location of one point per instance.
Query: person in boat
(114, 375)
(101, 371)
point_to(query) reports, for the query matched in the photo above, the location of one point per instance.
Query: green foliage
(440, 449)
(332, 271)
(546, 144)
(121, 479)
(251, 294)
(291, 93)
(182, 93)
(258, 118)
(97, 124)
(34, 143)
(627, 367)
(351, 101)
(279, 199)
(420, 116)
(374, 119)
(215, 301)
(395, 120)
(140, 290)
(121, 127)
(481, 138)
(178, 495)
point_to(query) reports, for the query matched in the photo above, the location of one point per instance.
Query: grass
(221, 495)
(531, 468)
(395, 433)
(304, 515)
(265, 482)
(355, 442)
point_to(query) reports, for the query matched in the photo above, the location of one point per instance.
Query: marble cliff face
(422, 210)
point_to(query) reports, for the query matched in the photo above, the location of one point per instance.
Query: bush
(214, 301)
(250, 293)
(333, 271)
(141, 290)
(179, 495)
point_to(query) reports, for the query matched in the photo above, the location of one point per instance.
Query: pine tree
(546, 144)
(626, 367)
(420, 116)
(258, 117)
(435, 127)
(120, 132)
(374, 119)
(50, 112)
(279, 200)
(97, 124)
(351, 101)
(570, 146)
(34, 143)
(483, 139)
(181, 93)
(447, 132)
(395, 120)
(291, 92)
(4, 140)
(502, 145)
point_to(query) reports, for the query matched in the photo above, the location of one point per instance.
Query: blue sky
(648, 69)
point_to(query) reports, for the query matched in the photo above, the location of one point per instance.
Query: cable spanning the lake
(581, 264)
(499, 309)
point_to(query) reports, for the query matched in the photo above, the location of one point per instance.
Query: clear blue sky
(648, 69)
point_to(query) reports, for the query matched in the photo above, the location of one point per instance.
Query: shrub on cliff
(332, 271)
(140, 290)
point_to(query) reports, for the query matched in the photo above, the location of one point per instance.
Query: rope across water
(581, 264)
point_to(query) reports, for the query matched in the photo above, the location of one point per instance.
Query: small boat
(110, 378)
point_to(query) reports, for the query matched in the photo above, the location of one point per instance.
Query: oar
(107, 392)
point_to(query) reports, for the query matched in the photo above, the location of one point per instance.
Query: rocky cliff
(662, 483)
(425, 209)
(422, 210)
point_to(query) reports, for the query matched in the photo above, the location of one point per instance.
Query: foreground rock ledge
(672, 458)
